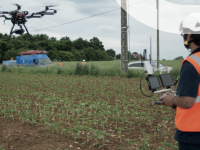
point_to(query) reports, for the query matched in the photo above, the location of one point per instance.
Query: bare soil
(23, 135)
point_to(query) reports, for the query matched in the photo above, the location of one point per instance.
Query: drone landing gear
(30, 38)
(19, 31)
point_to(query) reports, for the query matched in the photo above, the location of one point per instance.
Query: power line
(87, 17)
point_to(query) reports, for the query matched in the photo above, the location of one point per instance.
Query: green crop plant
(169, 145)
(110, 104)
(1, 147)
(132, 142)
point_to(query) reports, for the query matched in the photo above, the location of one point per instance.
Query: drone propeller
(51, 6)
(47, 7)
(55, 10)
(18, 6)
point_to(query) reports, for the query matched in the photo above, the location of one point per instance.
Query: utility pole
(150, 46)
(129, 33)
(124, 44)
(158, 47)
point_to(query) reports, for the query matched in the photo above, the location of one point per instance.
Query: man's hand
(167, 100)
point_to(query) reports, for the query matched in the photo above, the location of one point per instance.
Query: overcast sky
(107, 27)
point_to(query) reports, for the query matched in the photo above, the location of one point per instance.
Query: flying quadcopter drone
(19, 18)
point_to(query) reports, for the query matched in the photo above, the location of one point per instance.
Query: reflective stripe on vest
(188, 120)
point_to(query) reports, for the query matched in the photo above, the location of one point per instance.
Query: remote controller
(158, 102)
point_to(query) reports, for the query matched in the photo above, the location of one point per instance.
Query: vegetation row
(63, 49)
(105, 68)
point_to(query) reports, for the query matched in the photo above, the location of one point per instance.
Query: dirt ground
(27, 136)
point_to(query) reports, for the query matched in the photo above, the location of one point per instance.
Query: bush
(129, 74)
(134, 73)
(59, 71)
(78, 68)
(94, 70)
(179, 58)
(85, 70)
(109, 58)
(3, 68)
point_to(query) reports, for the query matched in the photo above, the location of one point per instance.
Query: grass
(96, 68)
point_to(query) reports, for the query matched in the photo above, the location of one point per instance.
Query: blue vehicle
(30, 59)
(10, 63)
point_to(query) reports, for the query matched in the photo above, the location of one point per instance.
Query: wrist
(173, 100)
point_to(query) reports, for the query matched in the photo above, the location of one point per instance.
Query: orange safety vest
(188, 120)
(60, 64)
(84, 63)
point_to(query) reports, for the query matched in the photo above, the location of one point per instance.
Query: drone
(20, 18)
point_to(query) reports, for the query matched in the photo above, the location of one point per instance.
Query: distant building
(137, 56)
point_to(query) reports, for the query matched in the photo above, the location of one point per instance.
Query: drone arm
(28, 17)
(4, 12)
(48, 13)
(5, 17)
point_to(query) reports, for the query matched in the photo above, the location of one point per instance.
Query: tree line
(64, 49)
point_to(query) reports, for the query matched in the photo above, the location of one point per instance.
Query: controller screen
(167, 80)
(154, 82)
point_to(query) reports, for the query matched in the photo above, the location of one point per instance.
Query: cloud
(93, 7)
(107, 29)
(185, 2)
(170, 14)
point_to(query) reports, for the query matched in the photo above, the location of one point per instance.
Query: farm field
(56, 112)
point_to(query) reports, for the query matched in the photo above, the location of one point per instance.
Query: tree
(65, 38)
(66, 56)
(101, 55)
(111, 52)
(78, 49)
(109, 58)
(53, 39)
(90, 54)
(80, 44)
(132, 57)
(53, 54)
(179, 58)
(42, 37)
(96, 44)
(77, 54)
(118, 56)
(11, 54)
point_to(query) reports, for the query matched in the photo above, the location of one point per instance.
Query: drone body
(20, 18)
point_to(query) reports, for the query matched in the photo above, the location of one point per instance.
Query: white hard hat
(191, 22)
(83, 60)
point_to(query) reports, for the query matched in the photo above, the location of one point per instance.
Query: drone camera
(25, 12)
(19, 31)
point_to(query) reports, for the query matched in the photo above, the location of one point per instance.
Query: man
(60, 64)
(84, 63)
(187, 118)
